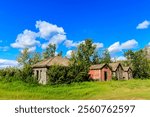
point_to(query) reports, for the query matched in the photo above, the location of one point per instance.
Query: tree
(50, 51)
(36, 57)
(24, 57)
(26, 71)
(139, 63)
(96, 58)
(106, 57)
(81, 61)
(85, 51)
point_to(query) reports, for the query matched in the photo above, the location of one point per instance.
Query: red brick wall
(99, 74)
(95, 74)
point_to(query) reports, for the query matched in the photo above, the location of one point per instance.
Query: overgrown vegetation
(139, 63)
(81, 59)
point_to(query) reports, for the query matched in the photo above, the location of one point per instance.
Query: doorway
(105, 76)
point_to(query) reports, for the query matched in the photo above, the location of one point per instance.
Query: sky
(116, 25)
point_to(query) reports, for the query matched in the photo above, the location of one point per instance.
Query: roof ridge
(49, 60)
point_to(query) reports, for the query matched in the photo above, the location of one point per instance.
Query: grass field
(132, 89)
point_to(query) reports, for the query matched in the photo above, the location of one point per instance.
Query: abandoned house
(117, 70)
(127, 74)
(100, 72)
(40, 68)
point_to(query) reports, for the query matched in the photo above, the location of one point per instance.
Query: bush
(57, 75)
(66, 75)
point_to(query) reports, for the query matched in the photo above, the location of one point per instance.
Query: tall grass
(132, 89)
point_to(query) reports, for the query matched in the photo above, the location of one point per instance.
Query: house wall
(95, 74)
(99, 74)
(119, 73)
(41, 75)
(125, 75)
(130, 74)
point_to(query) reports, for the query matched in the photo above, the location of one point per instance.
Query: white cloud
(68, 54)
(145, 24)
(7, 63)
(129, 44)
(114, 47)
(56, 39)
(70, 43)
(27, 39)
(117, 47)
(98, 45)
(149, 43)
(5, 48)
(46, 30)
(50, 32)
(120, 58)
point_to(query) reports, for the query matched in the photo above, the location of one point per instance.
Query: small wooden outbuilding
(127, 74)
(117, 70)
(40, 68)
(100, 72)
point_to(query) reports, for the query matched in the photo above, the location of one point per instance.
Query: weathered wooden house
(127, 74)
(117, 70)
(100, 72)
(40, 68)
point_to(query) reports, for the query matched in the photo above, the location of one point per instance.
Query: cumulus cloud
(98, 45)
(70, 43)
(27, 39)
(117, 47)
(56, 39)
(46, 29)
(144, 25)
(68, 54)
(114, 47)
(129, 44)
(50, 32)
(7, 63)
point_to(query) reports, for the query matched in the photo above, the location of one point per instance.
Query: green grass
(132, 89)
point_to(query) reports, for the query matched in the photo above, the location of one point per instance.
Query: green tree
(96, 58)
(36, 57)
(50, 51)
(106, 57)
(24, 57)
(81, 60)
(85, 51)
(26, 71)
(139, 63)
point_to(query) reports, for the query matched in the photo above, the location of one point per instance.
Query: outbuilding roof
(98, 66)
(114, 66)
(57, 60)
(126, 68)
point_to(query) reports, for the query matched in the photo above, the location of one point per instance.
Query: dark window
(37, 74)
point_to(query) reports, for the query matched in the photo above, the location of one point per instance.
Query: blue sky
(118, 25)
